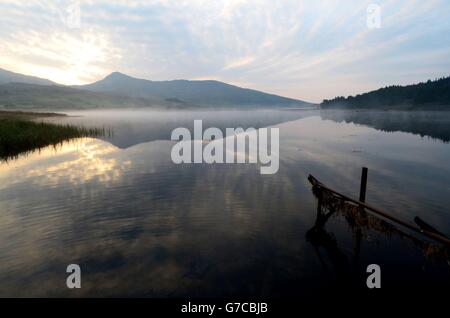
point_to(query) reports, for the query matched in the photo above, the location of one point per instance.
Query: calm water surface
(139, 225)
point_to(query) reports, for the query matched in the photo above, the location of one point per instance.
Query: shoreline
(28, 114)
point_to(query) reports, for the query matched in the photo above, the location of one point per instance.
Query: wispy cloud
(304, 49)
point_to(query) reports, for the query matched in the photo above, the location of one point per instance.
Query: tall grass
(19, 135)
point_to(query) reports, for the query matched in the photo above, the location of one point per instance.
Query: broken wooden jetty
(422, 227)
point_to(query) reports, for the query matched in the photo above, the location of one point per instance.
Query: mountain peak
(117, 75)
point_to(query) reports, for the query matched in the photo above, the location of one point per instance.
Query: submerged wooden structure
(421, 226)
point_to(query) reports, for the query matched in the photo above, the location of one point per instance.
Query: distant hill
(21, 95)
(197, 93)
(11, 77)
(431, 95)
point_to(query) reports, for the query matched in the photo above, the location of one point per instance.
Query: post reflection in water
(345, 269)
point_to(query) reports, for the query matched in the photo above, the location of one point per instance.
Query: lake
(140, 225)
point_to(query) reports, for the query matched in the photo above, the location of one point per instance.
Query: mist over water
(139, 225)
(136, 126)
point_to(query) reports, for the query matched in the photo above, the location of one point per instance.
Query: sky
(310, 50)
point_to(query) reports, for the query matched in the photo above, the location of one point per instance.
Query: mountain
(431, 95)
(11, 77)
(120, 90)
(198, 93)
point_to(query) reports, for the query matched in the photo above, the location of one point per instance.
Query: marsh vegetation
(21, 132)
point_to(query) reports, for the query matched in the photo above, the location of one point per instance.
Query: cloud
(239, 62)
(302, 49)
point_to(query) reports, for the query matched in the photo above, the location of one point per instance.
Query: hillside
(20, 95)
(431, 95)
(198, 93)
(11, 77)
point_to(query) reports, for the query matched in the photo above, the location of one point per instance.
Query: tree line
(430, 94)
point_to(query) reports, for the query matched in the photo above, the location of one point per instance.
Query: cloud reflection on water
(141, 226)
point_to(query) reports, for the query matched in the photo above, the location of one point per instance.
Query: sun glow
(70, 59)
(78, 161)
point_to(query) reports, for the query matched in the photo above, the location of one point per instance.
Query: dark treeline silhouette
(428, 95)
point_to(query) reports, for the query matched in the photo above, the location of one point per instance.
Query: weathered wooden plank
(436, 236)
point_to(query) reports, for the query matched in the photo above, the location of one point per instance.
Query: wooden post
(362, 189)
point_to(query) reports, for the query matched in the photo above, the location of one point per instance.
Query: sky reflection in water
(141, 226)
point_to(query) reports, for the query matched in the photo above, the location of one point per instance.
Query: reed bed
(20, 134)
